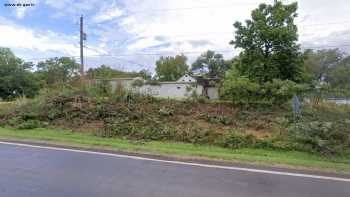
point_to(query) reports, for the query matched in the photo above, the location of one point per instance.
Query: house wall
(213, 93)
(176, 90)
(123, 83)
(169, 90)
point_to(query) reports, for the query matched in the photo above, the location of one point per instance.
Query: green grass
(292, 159)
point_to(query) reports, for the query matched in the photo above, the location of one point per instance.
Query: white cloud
(107, 13)
(69, 8)
(58, 4)
(182, 22)
(171, 26)
(323, 24)
(17, 37)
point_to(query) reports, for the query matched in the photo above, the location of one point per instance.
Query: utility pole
(82, 38)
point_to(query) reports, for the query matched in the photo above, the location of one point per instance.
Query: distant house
(183, 88)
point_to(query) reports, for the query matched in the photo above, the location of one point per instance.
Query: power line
(330, 23)
(231, 33)
(135, 54)
(174, 53)
(325, 46)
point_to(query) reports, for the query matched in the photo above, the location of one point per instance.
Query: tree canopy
(15, 77)
(210, 64)
(171, 68)
(57, 70)
(107, 72)
(269, 43)
(329, 66)
(270, 64)
(319, 63)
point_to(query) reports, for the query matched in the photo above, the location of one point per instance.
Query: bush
(104, 88)
(30, 124)
(235, 140)
(323, 137)
(241, 90)
(219, 119)
(138, 83)
(279, 91)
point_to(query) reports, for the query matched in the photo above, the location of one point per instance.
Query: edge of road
(200, 162)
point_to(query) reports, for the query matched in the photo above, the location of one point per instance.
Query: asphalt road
(37, 172)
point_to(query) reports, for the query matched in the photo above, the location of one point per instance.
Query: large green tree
(15, 77)
(58, 70)
(269, 44)
(320, 64)
(210, 64)
(171, 68)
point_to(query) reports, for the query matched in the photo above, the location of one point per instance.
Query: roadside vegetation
(254, 113)
(322, 128)
(289, 159)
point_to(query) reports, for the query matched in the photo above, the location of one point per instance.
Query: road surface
(42, 172)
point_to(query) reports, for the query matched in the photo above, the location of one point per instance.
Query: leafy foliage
(324, 137)
(319, 63)
(57, 71)
(15, 77)
(269, 44)
(171, 68)
(338, 77)
(329, 69)
(106, 72)
(138, 83)
(124, 114)
(241, 90)
(271, 64)
(211, 64)
(279, 92)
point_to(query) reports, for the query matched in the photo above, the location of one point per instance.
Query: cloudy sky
(132, 34)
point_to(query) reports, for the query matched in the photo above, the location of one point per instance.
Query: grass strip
(292, 159)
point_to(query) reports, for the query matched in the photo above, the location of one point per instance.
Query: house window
(190, 80)
(178, 88)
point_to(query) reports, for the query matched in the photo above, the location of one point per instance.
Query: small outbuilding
(183, 88)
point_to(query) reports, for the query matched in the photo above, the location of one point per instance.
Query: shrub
(119, 93)
(138, 83)
(323, 137)
(104, 88)
(279, 91)
(201, 99)
(219, 119)
(240, 90)
(235, 140)
(30, 124)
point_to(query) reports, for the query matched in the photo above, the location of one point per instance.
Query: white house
(183, 88)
